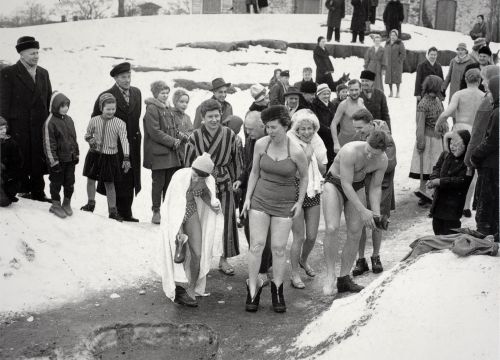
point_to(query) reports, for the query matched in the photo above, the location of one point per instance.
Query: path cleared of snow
(437, 307)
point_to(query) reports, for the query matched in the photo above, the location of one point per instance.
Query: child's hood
(56, 102)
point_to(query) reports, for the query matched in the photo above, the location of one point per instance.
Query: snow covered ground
(58, 261)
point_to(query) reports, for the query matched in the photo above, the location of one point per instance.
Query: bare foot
(329, 287)
(390, 94)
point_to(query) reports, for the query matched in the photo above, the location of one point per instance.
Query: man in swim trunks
(344, 191)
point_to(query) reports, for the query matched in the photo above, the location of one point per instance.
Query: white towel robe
(172, 211)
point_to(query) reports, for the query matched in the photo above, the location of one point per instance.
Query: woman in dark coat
(393, 16)
(324, 109)
(336, 12)
(324, 66)
(360, 13)
(395, 55)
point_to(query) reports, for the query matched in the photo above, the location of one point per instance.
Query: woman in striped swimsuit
(101, 162)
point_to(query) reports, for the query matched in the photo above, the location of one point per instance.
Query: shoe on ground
(57, 209)
(113, 214)
(90, 206)
(129, 219)
(376, 264)
(252, 305)
(278, 298)
(361, 267)
(345, 284)
(66, 205)
(40, 197)
(156, 219)
(308, 269)
(297, 282)
(467, 213)
(183, 298)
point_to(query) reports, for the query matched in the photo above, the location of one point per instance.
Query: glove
(56, 168)
(126, 166)
(382, 222)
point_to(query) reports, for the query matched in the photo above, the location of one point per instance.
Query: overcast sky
(9, 6)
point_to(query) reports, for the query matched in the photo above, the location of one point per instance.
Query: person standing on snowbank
(336, 12)
(25, 92)
(62, 153)
(360, 14)
(395, 55)
(128, 109)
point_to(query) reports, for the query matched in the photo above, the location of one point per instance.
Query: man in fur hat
(25, 92)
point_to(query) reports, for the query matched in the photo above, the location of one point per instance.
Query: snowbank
(437, 307)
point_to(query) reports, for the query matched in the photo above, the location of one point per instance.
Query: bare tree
(87, 9)
(494, 21)
(121, 8)
(33, 13)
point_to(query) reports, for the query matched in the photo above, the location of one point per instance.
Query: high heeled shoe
(252, 305)
(278, 298)
(180, 248)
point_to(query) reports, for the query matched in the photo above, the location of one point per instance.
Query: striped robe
(227, 159)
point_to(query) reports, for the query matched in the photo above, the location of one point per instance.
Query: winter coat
(159, 137)
(323, 63)
(479, 31)
(393, 15)
(59, 135)
(325, 114)
(360, 13)
(395, 55)
(226, 111)
(479, 127)
(486, 154)
(424, 69)
(377, 105)
(449, 197)
(11, 164)
(336, 12)
(130, 114)
(375, 62)
(277, 94)
(455, 73)
(25, 105)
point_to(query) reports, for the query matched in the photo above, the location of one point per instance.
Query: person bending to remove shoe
(61, 152)
(188, 236)
(271, 202)
(101, 162)
(304, 131)
(344, 191)
(365, 124)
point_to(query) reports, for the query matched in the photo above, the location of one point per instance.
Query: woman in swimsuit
(271, 202)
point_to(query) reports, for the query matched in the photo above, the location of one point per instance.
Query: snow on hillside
(438, 307)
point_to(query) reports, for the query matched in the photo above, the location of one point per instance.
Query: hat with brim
(367, 75)
(120, 69)
(26, 42)
(218, 83)
(462, 46)
(258, 92)
(293, 91)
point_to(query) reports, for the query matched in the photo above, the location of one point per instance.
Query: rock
(142, 292)
(30, 319)
(114, 296)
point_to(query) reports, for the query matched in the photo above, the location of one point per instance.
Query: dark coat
(159, 137)
(479, 31)
(425, 69)
(130, 114)
(486, 154)
(360, 13)
(277, 94)
(336, 12)
(323, 63)
(449, 198)
(377, 105)
(393, 15)
(325, 116)
(259, 108)
(395, 55)
(25, 106)
(11, 165)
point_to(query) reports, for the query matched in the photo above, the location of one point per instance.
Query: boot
(180, 248)
(252, 305)
(345, 284)
(361, 267)
(376, 264)
(113, 214)
(183, 298)
(90, 206)
(156, 217)
(57, 210)
(277, 298)
(66, 205)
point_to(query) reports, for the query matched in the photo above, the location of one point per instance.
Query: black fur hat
(368, 75)
(275, 112)
(26, 42)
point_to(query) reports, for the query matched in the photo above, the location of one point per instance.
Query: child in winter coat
(10, 166)
(451, 181)
(62, 153)
(101, 162)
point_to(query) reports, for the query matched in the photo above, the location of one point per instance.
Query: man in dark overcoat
(336, 12)
(25, 92)
(128, 109)
(360, 13)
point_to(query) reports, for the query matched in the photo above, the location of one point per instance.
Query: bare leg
(91, 189)
(280, 229)
(110, 194)
(362, 244)
(259, 223)
(390, 89)
(192, 228)
(470, 193)
(312, 216)
(397, 90)
(333, 204)
(298, 231)
(377, 241)
(354, 229)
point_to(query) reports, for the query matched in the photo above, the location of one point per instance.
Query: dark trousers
(125, 194)
(161, 180)
(34, 184)
(487, 201)
(64, 178)
(361, 36)
(329, 33)
(443, 227)
(267, 256)
(255, 8)
(373, 14)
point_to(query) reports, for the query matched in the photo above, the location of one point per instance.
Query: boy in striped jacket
(62, 153)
